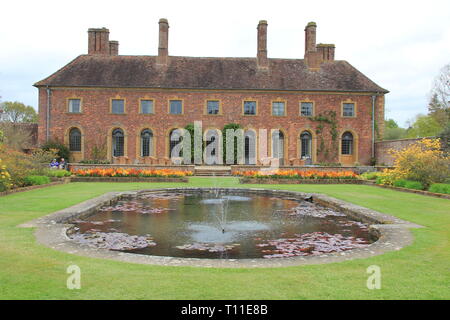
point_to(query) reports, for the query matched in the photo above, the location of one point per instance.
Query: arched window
(347, 143)
(305, 145)
(75, 139)
(118, 142)
(146, 143)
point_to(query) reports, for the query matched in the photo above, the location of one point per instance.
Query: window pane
(118, 143)
(146, 106)
(278, 108)
(305, 140)
(146, 143)
(75, 140)
(306, 109)
(348, 110)
(250, 107)
(347, 143)
(74, 105)
(176, 106)
(212, 107)
(118, 106)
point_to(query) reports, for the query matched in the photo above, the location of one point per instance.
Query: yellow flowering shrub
(422, 161)
(5, 179)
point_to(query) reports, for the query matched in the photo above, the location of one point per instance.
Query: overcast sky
(401, 45)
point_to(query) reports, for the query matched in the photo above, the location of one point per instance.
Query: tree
(441, 87)
(438, 111)
(423, 126)
(18, 112)
(390, 123)
(392, 131)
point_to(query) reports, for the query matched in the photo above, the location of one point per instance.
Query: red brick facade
(96, 122)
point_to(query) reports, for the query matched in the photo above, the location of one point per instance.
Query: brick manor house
(124, 108)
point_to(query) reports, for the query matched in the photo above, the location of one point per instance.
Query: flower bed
(131, 173)
(299, 175)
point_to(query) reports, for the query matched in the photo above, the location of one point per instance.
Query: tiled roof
(208, 73)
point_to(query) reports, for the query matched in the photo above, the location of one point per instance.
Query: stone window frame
(313, 107)
(349, 101)
(250, 100)
(124, 105)
(140, 106)
(77, 154)
(68, 105)
(168, 106)
(109, 141)
(206, 107)
(355, 144)
(285, 107)
(138, 141)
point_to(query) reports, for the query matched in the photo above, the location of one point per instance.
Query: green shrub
(416, 185)
(60, 148)
(58, 173)
(36, 180)
(440, 188)
(400, 183)
(370, 175)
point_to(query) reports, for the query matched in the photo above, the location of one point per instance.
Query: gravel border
(393, 233)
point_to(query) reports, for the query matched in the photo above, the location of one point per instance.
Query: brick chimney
(315, 55)
(114, 48)
(326, 51)
(310, 37)
(98, 41)
(262, 60)
(163, 48)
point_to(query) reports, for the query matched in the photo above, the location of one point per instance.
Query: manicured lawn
(31, 271)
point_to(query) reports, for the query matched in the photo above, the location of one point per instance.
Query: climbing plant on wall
(327, 118)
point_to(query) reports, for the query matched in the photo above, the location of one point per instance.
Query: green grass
(32, 271)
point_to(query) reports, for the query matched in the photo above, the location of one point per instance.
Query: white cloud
(401, 45)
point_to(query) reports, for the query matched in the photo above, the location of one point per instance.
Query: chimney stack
(98, 41)
(163, 48)
(262, 60)
(326, 51)
(315, 55)
(310, 37)
(114, 48)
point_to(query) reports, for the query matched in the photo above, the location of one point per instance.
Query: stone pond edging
(393, 233)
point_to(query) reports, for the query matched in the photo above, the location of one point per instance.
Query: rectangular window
(348, 110)
(212, 107)
(278, 108)
(250, 107)
(147, 107)
(176, 107)
(306, 109)
(118, 106)
(74, 105)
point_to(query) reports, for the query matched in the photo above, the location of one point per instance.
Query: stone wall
(382, 147)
